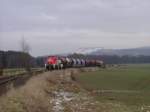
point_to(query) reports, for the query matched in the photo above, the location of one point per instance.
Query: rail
(6, 79)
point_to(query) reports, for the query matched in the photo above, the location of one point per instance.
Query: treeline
(114, 59)
(14, 59)
(122, 59)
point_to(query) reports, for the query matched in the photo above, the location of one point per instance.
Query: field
(127, 84)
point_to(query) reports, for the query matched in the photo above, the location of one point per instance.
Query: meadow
(127, 84)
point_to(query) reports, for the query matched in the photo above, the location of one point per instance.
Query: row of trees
(126, 59)
(115, 59)
(7, 58)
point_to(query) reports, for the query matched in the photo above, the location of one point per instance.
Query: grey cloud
(75, 23)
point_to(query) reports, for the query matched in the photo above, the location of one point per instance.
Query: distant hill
(121, 52)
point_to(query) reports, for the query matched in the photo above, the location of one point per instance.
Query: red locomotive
(53, 62)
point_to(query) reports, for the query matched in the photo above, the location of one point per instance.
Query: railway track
(6, 79)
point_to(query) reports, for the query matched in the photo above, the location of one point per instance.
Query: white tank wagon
(75, 63)
(83, 62)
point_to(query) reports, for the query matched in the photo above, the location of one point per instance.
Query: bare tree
(1, 63)
(25, 48)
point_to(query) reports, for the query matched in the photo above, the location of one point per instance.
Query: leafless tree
(1, 66)
(25, 48)
(1, 63)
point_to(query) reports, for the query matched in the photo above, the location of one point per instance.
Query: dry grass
(29, 98)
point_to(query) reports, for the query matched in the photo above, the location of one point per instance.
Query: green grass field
(128, 84)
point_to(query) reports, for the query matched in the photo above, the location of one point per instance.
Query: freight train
(59, 62)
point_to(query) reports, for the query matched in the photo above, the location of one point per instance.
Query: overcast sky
(61, 26)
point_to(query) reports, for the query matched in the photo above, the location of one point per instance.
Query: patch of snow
(60, 98)
(88, 50)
